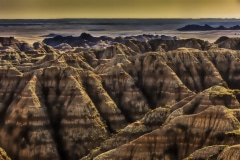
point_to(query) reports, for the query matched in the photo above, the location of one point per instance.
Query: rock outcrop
(3, 155)
(167, 45)
(86, 40)
(194, 68)
(217, 152)
(151, 98)
(206, 27)
(42, 109)
(229, 43)
(14, 44)
(198, 123)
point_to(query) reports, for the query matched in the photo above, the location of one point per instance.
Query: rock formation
(151, 98)
(3, 155)
(14, 44)
(42, 108)
(229, 43)
(206, 27)
(204, 121)
(216, 152)
(167, 45)
(86, 40)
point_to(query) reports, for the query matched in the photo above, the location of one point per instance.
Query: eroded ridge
(134, 98)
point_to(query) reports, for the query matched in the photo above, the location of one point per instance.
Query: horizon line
(107, 18)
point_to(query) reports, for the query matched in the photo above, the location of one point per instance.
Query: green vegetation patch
(219, 91)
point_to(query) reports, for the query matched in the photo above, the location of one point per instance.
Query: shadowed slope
(216, 97)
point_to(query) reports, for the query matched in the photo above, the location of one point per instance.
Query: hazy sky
(119, 9)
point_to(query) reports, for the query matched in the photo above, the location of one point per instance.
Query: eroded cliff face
(229, 43)
(162, 99)
(217, 152)
(164, 127)
(42, 114)
(181, 136)
(10, 43)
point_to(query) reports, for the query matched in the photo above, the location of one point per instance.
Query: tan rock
(3, 155)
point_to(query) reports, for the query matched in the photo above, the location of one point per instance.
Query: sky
(46, 9)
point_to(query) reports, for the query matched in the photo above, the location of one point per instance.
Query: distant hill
(206, 27)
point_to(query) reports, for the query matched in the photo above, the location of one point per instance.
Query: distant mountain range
(195, 27)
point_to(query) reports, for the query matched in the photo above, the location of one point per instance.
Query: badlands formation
(140, 97)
